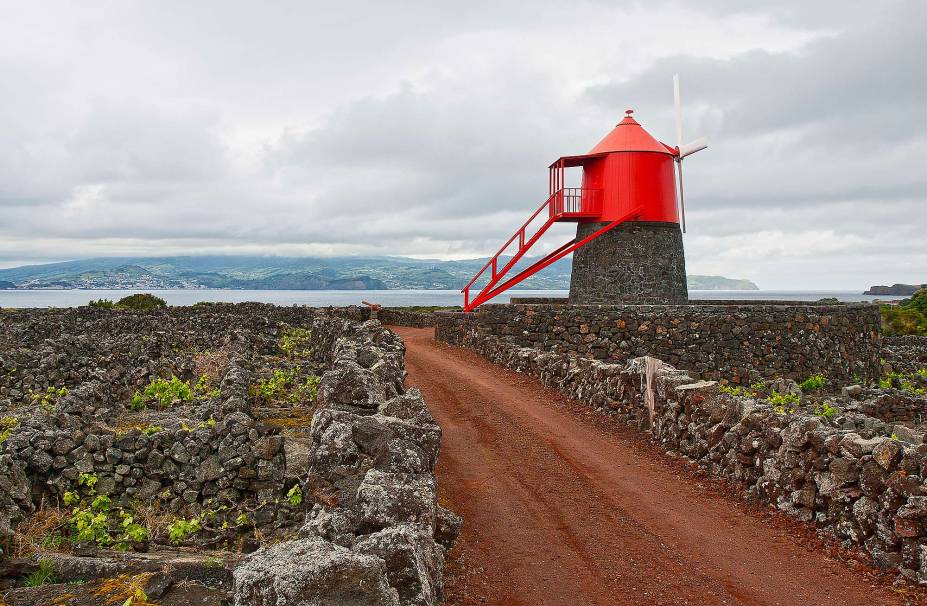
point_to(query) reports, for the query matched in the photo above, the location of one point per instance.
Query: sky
(425, 128)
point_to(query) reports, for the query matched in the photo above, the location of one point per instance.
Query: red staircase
(566, 204)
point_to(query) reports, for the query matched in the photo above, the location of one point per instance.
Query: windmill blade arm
(695, 146)
(678, 106)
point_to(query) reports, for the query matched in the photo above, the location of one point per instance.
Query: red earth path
(564, 506)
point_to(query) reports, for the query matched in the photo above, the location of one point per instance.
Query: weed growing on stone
(181, 529)
(282, 386)
(203, 389)
(736, 390)
(295, 496)
(813, 383)
(211, 422)
(100, 523)
(104, 303)
(43, 575)
(163, 393)
(825, 410)
(296, 342)
(6, 427)
(47, 399)
(904, 382)
(89, 480)
(786, 403)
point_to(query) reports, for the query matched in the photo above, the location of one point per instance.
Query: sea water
(391, 298)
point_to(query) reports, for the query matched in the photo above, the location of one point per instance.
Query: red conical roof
(627, 136)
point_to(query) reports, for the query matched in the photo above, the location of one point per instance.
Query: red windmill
(627, 176)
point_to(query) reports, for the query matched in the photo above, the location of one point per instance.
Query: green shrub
(47, 399)
(736, 390)
(282, 386)
(180, 529)
(295, 496)
(100, 523)
(825, 410)
(918, 302)
(296, 342)
(202, 389)
(309, 390)
(104, 303)
(784, 403)
(813, 383)
(6, 427)
(162, 392)
(141, 302)
(275, 386)
(89, 480)
(908, 317)
(903, 382)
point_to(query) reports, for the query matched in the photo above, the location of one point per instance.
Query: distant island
(899, 290)
(719, 283)
(289, 273)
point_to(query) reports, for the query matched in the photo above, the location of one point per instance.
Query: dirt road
(563, 506)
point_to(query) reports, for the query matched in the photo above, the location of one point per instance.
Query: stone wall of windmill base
(734, 341)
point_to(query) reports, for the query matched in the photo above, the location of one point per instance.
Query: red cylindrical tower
(632, 169)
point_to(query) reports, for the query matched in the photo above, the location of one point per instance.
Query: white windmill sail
(684, 149)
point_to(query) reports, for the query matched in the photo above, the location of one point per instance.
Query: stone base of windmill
(635, 263)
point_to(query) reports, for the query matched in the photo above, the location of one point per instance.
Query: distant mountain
(290, 273)
(719, 283)
(899, 290)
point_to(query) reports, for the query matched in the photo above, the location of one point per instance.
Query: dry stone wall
(370, 524)
(857, 478)
(391, 316)
(376, 534)
(907, 353)
(737, 342)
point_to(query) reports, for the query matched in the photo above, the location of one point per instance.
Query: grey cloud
(223, 127)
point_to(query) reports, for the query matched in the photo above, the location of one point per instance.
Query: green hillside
(290, 273)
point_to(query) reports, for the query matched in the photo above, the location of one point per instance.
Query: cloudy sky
(425, 128)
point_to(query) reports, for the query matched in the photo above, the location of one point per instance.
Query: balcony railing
(576, 202)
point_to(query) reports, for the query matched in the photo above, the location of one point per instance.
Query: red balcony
(575, 203)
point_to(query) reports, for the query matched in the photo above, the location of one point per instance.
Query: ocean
(323, 298)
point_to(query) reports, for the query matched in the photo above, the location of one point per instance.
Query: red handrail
(577, 201)
(564, 203)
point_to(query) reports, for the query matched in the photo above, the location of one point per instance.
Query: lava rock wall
(375, 533)
(905, 353)
(737, 342)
